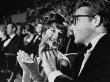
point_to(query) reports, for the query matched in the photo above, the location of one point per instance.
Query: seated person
(31, 43)
(52, 36)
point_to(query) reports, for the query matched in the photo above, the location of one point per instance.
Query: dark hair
(55, 17)
(58, 20)
(98, 7)
(30, 28)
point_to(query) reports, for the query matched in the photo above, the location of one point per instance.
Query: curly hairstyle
(58, 20)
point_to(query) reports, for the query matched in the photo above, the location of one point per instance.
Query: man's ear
(96, 21)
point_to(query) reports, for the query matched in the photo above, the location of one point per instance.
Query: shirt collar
(11, 36)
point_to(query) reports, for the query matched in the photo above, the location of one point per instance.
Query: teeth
(53, 39)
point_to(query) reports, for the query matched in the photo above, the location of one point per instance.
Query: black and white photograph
(54, 40)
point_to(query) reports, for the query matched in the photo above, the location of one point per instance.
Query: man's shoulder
(105, 40)
(103, 45)
(106, 37)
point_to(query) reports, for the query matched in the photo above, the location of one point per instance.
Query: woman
(30, 41)
(52, 38)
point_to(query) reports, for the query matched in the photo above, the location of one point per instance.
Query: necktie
(84, 50)
(89, 46)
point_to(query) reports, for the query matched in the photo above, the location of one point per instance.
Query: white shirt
(8, 41)
(94, 41)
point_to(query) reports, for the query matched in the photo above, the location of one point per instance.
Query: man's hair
(31, 28)
(98, 7)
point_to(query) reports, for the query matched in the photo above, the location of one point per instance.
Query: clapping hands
(27, 63)
(48, 56)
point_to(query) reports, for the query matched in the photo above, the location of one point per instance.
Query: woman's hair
(58, 20)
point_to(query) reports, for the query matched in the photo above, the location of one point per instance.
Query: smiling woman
(57, 30)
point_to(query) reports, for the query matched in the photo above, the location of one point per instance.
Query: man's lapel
(91, 61)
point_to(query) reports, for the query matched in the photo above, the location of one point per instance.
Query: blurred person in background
(3, 38)
(10, 48)
(30, 41)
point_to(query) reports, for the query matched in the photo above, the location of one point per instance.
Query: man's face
(82, 26)
(38, 28)
(1, 34)
(18, 29)
(9, 29)
(55, 39)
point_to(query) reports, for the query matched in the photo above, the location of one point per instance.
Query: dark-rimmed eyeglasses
(75, 18)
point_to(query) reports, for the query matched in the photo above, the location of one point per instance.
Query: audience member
(53, 37)
(3, 38)
(91, 27)
(11, 47)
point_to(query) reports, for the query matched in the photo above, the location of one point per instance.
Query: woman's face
(2, 32)
(54, 36)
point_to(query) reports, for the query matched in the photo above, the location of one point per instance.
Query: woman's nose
(72, 27)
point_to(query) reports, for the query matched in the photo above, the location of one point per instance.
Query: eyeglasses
(75, 18)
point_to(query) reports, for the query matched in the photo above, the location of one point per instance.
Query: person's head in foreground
(91, 18)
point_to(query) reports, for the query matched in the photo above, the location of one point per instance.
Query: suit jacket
(14, 45)
(97, 67)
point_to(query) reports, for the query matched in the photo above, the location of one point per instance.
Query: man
(11, 46)
(91, 22)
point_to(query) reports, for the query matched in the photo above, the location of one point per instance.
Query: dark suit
(97, 67)
(14, 45)
(2, 56)
(11, 51)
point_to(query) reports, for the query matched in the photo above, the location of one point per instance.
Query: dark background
(11, 6)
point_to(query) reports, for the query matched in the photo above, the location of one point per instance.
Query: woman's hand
(27, 63)
(49, 61)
